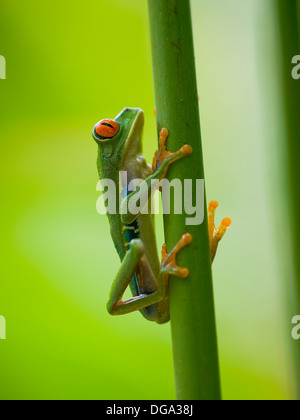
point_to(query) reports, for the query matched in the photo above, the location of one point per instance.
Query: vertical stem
(191, 300)
(289, 32)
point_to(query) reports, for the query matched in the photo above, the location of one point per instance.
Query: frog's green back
(109, 164)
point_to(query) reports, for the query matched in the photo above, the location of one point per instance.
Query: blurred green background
(70, 64)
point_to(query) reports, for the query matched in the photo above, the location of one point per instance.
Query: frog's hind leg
(160, 312)
(129, 266)
(115, 305)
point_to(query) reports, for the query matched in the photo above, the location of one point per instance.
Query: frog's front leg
(116, 306)
(163, 159)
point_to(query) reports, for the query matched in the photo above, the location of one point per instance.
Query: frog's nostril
(107, 128)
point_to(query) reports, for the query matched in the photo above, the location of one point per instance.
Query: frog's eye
(107, 129)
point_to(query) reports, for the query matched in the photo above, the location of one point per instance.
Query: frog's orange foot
(169, 265)
(215, 234)
(162, 155)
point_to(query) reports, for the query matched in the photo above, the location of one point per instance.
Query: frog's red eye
(107, 129)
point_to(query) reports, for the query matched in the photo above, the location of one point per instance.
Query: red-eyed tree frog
(120, 151)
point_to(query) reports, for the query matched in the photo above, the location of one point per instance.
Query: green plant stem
(191, 300)
(289, 33)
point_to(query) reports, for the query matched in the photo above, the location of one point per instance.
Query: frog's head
(116, 136)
